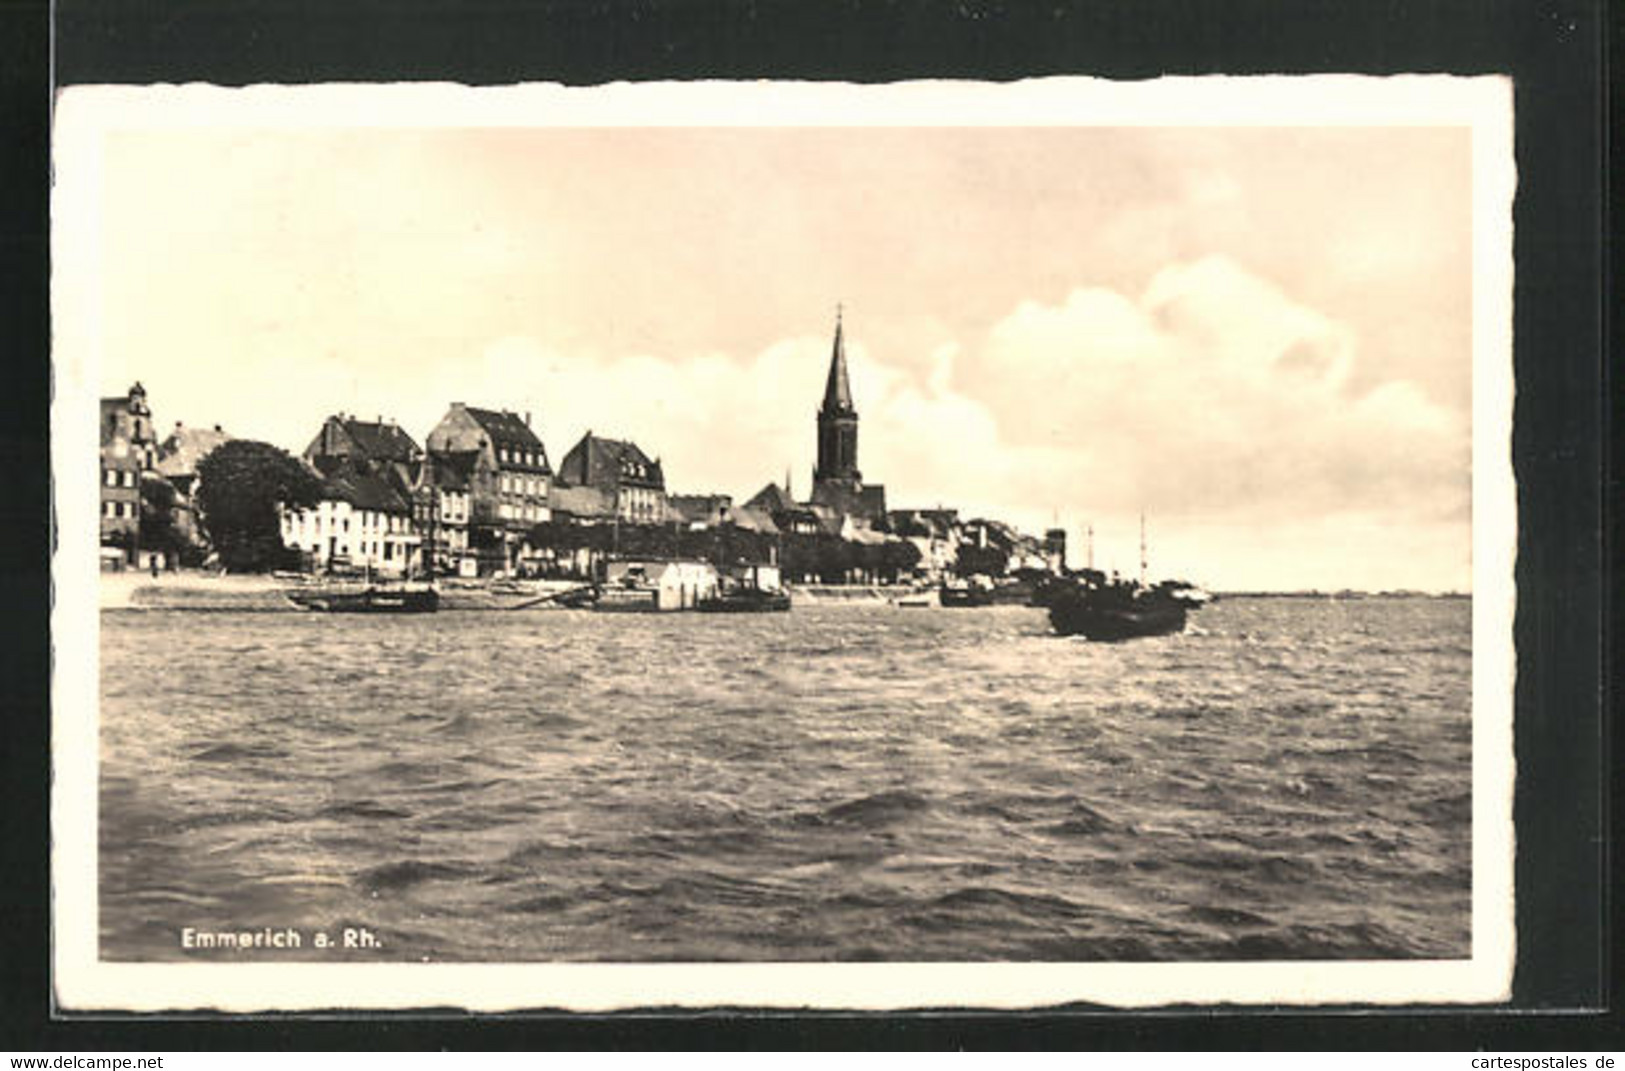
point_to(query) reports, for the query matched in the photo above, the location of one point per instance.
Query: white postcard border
(86, 115)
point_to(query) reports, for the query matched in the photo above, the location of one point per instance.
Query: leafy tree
(158, 502)
(241, 486)
(898, 556)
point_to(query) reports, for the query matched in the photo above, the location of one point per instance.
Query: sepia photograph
(933, 544)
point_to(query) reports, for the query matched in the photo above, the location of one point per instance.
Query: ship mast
(1142, 548)
(1091, 541)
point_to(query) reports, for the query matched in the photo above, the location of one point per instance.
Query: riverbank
(191, 590)
(851, 594)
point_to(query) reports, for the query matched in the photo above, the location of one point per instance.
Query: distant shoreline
(1337, 595)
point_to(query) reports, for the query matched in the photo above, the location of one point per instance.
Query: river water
(1288, 779)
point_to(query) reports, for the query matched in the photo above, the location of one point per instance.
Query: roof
(381, 441)
(506, 429)
(580, 501)
(450, 470)
(699, 508)
(837, 391)
(599, 462)
(344, 482)
(753, 519)
(828, 519)
(771, 498)
(179, 454)
(865, 500)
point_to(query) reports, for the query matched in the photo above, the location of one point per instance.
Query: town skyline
(1044, 326)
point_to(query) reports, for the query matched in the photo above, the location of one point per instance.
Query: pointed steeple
(837, 391)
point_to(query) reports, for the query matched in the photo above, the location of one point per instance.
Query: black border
(1553, 48)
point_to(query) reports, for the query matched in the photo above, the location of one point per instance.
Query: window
(111, 477)
(129, 479)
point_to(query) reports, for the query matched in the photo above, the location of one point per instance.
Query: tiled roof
(771, 498)
(381, 441)
(344, 482)
(699, 508)
(505, 428)
(179, 454)
(601, 462)
(580, 501)
(753, 519)
(451, 470)
(828, 519)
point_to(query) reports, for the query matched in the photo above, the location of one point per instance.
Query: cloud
(1214, 394)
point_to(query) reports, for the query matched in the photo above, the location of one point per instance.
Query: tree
(158, 502)
(242, 486)
(898, 556)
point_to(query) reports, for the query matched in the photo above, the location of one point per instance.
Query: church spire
(837, 391)
(837, 423)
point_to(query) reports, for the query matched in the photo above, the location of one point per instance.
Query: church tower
(838, 423)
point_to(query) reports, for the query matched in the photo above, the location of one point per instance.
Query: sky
(1260, 337)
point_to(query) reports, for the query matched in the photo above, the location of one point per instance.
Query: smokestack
(527, 418)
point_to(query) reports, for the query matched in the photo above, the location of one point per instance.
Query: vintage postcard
(783, 545)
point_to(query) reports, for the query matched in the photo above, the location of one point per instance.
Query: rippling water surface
(1288, 779)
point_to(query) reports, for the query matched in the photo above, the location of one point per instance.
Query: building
(837, 481)
(378, 448)
(633, 481)
(179, 456)
(935, 534)
(670, 584)
(129, 449)
(700, 511)
(442, 507)
(361, 521)
(786, 513)
(509, 483)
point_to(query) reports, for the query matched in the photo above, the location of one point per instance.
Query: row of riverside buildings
(470, 500)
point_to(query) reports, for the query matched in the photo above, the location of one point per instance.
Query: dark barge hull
(372, 601)
(745, 603)
(956, 598)
(1081, 617)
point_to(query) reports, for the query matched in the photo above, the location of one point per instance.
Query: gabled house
(633, 480)
(509, 483)
(179, 456)
(361, 520)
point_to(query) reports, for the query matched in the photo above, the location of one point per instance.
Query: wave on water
(839, 783)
